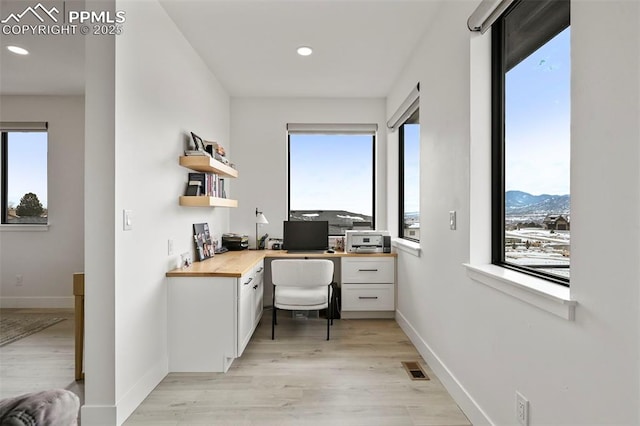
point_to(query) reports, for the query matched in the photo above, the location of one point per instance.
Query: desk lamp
(260, 219)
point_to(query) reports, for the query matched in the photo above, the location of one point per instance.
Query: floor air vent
(414, 370)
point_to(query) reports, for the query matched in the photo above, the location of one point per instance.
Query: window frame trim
(498, 110)
(4, 149)
(373, 174)
(5, 129)
(401, 185)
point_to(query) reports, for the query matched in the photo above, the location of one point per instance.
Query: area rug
(16, 326)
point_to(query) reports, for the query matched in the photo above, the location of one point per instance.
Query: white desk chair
(301, 284)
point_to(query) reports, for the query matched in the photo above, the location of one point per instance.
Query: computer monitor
(305, 235)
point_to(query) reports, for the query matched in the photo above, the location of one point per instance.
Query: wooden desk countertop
(237, 263)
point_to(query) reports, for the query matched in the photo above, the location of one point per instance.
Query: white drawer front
(364, 297)
(368, 270)
(246, 282)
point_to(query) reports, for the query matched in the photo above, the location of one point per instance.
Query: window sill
(538, 292)
(407, 246)
(24, 228)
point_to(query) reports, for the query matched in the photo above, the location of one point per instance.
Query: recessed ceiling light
(17, 50)
(304, 51)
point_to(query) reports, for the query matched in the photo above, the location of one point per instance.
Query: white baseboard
(98, 415)
(107, 415)
(37, 302)
(134, 396)
(466, 402)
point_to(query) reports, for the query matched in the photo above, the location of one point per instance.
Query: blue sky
(324, 175)
(27, 166)
(538, 120)
(411, 168)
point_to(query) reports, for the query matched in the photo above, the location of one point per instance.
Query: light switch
(127, 220)
(452, 220)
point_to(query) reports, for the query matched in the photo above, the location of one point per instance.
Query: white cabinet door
(258, 293)
(245, 311)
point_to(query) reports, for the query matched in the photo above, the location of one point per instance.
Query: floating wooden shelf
(204, 201)
(201, 163)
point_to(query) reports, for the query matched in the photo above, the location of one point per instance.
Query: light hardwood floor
(299, 379)
(44, 360)
(354, 379)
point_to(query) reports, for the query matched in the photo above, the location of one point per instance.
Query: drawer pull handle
(250, 279)
(367, 270)
(367, 297)
(260, 270)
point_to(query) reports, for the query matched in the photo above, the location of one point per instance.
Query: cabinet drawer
(365, 297)
(246, 282)
(368, 270)
(259, 272)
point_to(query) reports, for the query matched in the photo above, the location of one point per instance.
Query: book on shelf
(211, 184)
(201, 179)
(196, 152)
(193, 188)
(223, 192)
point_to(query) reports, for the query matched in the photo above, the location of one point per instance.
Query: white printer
(368, 241)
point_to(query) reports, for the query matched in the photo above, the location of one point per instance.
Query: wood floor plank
(43, 360)
(356, 378)
(299, 379)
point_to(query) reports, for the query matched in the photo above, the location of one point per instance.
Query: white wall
(483, 344)
(48, 259)
(162, 92)
(259, 133)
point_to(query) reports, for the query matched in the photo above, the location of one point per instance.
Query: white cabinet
(258, 294)
(250, 288)
(368, 287)
(245, 312)
(210, 320)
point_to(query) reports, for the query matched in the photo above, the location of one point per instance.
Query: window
(23, 155)
(331, 177)
(409, 190)
(531, 213)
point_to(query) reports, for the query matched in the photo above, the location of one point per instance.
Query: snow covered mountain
(523, 203)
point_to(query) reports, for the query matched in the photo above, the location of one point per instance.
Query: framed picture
(202, 237)
(197, 141)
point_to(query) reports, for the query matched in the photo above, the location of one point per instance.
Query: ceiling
(55, 65)
(360, 47)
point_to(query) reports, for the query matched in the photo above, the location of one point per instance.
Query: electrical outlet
(19, 279)
(452, 220)
(170, 247)
(522, 409)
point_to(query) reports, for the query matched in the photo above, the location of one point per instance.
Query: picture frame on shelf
(198, 142)
(203, 242)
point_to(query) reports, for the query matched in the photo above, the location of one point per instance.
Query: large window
(531, 139)
(24, 176)
(331, 177)
(409, 147)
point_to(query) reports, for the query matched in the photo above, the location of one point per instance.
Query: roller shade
(406, 109)
(8, 126)
(324, 129)
(534, 24)
(486, 14)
